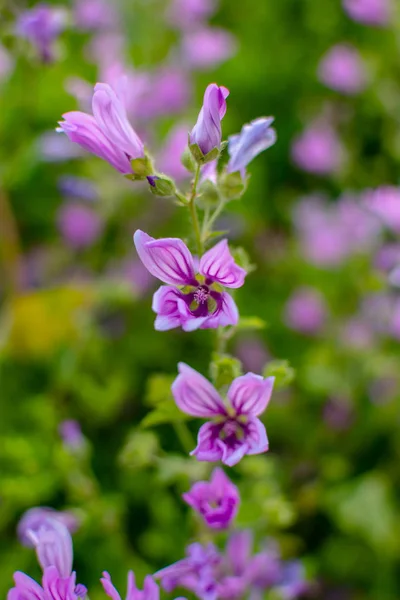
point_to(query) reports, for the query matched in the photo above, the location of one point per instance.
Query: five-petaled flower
(107, 133)
(216, 500)
(194, 296)
(235, 429)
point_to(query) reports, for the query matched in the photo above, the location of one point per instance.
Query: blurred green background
(77, 337)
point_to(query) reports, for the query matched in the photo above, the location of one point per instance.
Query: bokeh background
(320, 223)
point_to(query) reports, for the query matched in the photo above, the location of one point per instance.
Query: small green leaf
(188, 161)
(142, 167)
(251, 323)
(167, 412)
(224, 369)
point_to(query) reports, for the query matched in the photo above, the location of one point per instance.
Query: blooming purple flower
(254, 138)
(342, 69)
(54, 587)
(41, 25)
(79, 225)
(207, 132)
(384, 202)
(53, 545)
(206, 48)
(369, 12)
(216, 500)
(36, 519)
(305, 311)
(193, 297)
(235, 429)
(108, 133)
(318, 150)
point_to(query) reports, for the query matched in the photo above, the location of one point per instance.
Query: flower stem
(185, 437)
(9, 245)
(193, 212)
(207, 229)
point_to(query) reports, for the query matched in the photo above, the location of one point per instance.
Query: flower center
(232, 432)
(202, 294)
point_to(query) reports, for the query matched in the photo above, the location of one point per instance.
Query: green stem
(208, 225)
(9, 245)
(184, 436)
(193, 212)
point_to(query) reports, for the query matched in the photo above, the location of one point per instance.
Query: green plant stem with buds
(193, 212)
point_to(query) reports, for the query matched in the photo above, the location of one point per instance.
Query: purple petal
(151, 590)
(256, 437)
(53, 545)
(250, 394)
(110, 115)
(207, 132)
(226, 314)
(231, 456)
(219, 265)
(168, 259)
(254, 138)
(83, 130)
(239, 550)
(195, 395)
(209, 447)
(56, 587)
(108, 587)
(26, 588)
(170, 307)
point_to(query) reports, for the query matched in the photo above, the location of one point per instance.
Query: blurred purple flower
(252, 353)
(292, 582)
(342, 69)
(108, 134)
(216, 500)
(169, 160)
(71, 434)
(77, 187)
(41, 25)
(192, 298)
(305, 310)
(387, 257)
(357, 333)
(254, 138)
(207, 132)
(370, 12)
(338, 414)
(6, 64)
(188, 14)
(95, 14)
(235, 429)
(384, 202)
(168, 94)
(52, 147)
(208, 47)
(54, 587)
(36, 519)
(79, 225)
(318, 149)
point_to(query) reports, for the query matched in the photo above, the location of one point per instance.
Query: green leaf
(254, 323)
(167, 412)
(139, 451)
(158, 389)
(282, 371)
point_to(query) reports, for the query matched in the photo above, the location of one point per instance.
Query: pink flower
(187, 14)
(208, 47)
(193, 297)
(150, 589)
(207, 132)
(342, 69)
(36, 519)
(108, 133)
(305, 311)
(41, 25)
(79, 225)
(235, 429)
(369, 12)
(54, 587)
(384, 202)
(318, 150)
(216, 500)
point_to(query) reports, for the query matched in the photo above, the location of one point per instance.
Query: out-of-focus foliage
(76, 327)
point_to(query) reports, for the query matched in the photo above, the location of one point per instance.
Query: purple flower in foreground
(108, 133)
(193, 297)
(207, 132)
(36, 519)
(342, 69)
(254, 138)
(53, 545)
(54, 587)
(150, 588)
(216, 500)
(235, 429)
(41, 25)
(369, 12)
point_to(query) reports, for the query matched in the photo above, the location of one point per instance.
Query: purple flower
(384, 202)
(196, 572)
(318, 150)
(305, 311)
(342, 69)
(254, 138)
(53, 545)
(108, 133)
(193, 297)
(216, 500)
(77, 187)
(187, 14)
(71, 434)
(207, 132)
(54, 587)
(150, 589)
(235, 429)
(206, 48)
(41, 25)
(79, 225)
(369, 12)
(36, 519)
(94, 14)
(292, 581)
